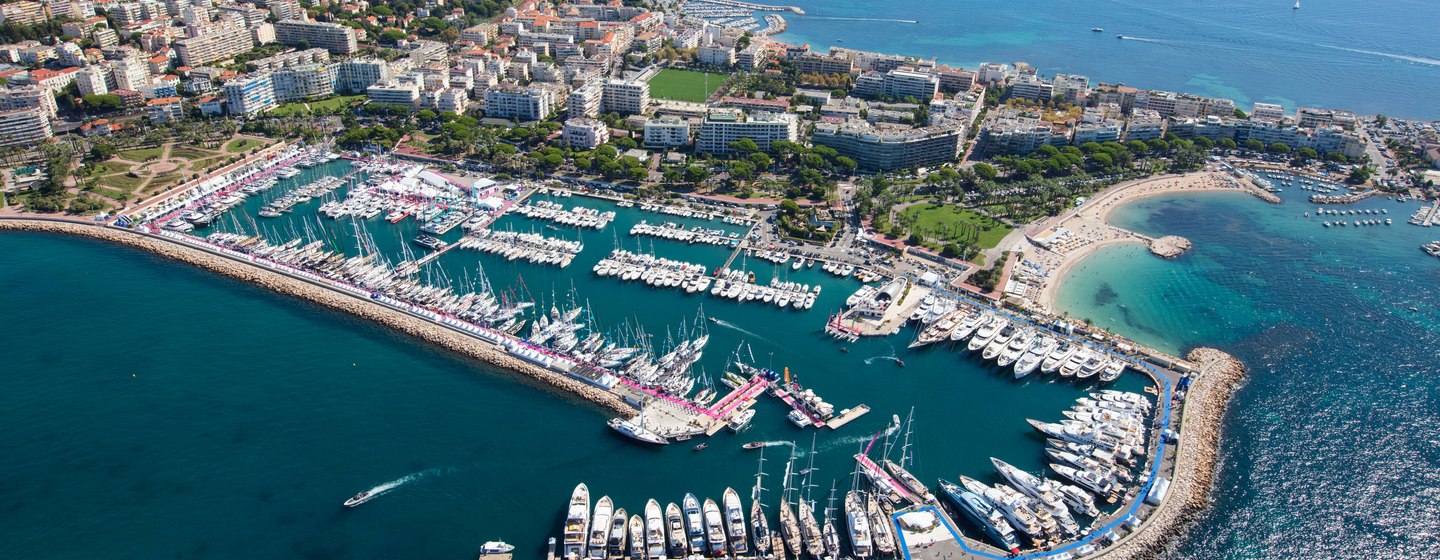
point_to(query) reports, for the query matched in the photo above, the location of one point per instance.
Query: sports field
(685, 85)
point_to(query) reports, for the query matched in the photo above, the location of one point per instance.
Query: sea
(154, 409)
(1330, 447)
(1368, 57)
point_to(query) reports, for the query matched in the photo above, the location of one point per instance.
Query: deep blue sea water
(1369, 57)
(1330, 449)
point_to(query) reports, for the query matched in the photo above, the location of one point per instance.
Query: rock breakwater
(430, 332)
(1217, 377)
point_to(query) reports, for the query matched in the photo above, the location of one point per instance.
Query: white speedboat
(496, 547)
(360, 498)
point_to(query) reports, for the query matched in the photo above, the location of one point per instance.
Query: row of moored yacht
(1026, 348)
(576, 217)
(1094, 451)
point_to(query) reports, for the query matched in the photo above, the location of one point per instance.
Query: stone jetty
(430, 332)
(1217, 376)
(1259, 191)
(1170, 246)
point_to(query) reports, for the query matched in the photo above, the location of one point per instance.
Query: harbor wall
(1218, 376)
(275, 281)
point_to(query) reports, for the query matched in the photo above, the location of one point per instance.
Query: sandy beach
(1076, 234)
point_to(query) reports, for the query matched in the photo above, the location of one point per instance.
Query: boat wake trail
(850, 441)
(739, 328)
(871, 360)
(1407, 58)
(888, 20)
(1141, 39)
(407, 479)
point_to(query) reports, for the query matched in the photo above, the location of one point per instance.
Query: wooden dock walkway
(847, 416)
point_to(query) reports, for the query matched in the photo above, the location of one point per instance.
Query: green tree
(102, 151)
(392, 36)
(744, 146)
(1254, 145)
(1226, 144)
(985, 171)
(1278, 148)
(696, 174)
(741, 170)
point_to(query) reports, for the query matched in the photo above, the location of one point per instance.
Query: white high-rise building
(92, 80)
(250, 95)
(628, 97)
(585, 134)
(723, 126)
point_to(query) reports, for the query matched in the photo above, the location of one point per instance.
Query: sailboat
(809, 529)
(759, 526)
(898, 469)
(1297, 5)
(829, 535)
(789, 526)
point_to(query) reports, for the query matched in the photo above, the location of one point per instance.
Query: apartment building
(723, 126)
(888, 148)
(220, 42)
(333, 37)
(584, 134)
(24, 127)
(666, 132)
(250, 95)
(627, 97)
(514, 102)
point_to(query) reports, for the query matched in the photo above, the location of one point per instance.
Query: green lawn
(122, 182)
(141, 155)
(953, 223)
(115, 194)
(242, 145)
(336, 102)
(108, 167)
(304, 108)
(185, 152)
(685, 85)
(162, 182)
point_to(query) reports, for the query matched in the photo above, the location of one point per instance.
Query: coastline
(432, 333)
(1089, 223)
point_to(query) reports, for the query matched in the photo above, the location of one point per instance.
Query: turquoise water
(1333, 436)
(1330, 53)
(154, 409)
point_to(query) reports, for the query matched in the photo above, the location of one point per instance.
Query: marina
(663, 378)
